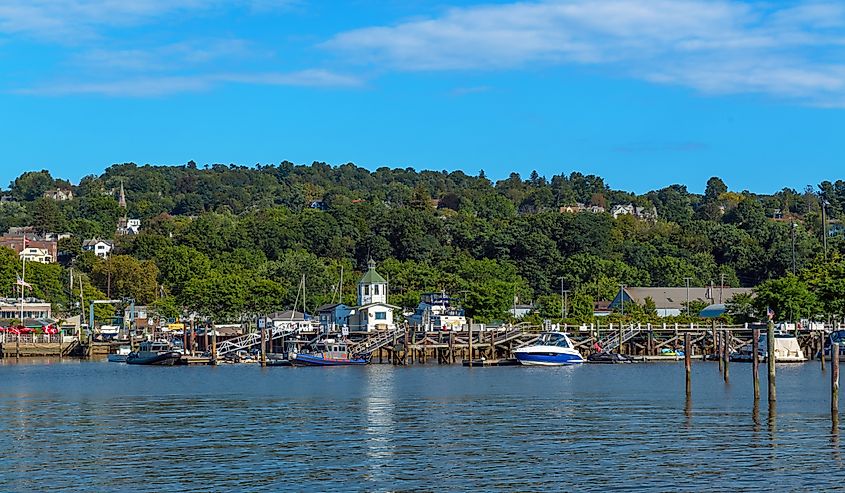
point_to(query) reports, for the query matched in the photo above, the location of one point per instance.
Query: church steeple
(372, 288)
(122, 201)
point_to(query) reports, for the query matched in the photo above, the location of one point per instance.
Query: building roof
(368, 305)
(372, 277)
(328, 307)
(95, 241)
(666, 297)
(290, 316)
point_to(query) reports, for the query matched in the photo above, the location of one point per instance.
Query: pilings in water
(755, 364)
(726, 354)
(821, 345)
(688, 362)
(770, 361)
(834, 384)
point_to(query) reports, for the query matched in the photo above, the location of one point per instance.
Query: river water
(97, 426)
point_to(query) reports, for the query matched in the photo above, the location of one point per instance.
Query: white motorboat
(550, 349)
(120, 355)
(787, 350)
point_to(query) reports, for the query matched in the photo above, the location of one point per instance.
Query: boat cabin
(154, 346)
(557, 339)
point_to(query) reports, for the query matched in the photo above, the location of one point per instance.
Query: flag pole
(23, 276)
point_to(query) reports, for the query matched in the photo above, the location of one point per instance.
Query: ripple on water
(100, 427)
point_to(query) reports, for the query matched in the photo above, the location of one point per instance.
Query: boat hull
(548, 359)
(164, 359)
(313, 360)
(117, 358)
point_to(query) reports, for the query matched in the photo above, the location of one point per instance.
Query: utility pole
(687, 280)
(566, 304)
(793, 247)
(562, 300)
(825, 203)
(721, 286)
(622, 297)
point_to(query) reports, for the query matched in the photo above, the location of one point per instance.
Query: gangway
(375, 341)
(614, 341)
(253, 339)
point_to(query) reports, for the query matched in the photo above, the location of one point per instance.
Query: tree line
(227, 241)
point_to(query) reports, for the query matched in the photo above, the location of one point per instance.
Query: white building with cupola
(373, 312)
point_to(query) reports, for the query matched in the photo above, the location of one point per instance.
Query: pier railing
(253, 339)
(615, 340)
(376, 341)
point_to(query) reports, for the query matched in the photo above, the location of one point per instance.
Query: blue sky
(645, 93)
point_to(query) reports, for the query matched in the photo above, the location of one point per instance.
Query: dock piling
(726, 349)
(821, 351)
(755, 363)
(834, 382)
(770, 360)
(687, 362)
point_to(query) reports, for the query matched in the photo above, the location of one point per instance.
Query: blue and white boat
(327, 353)
(551, 349)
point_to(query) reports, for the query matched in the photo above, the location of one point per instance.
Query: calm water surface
(97, 426)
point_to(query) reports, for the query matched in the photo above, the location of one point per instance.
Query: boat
(277, 359)
(835, 337)
(327, 353)
(609, 358)
(121, 354)
(787, 350)
(159, 353)
(550, 349)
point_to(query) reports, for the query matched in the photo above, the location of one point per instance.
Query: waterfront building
(33, 308)
(333, 316)
(373, 312)
(437, 311)
(40, 255)
(671, 301)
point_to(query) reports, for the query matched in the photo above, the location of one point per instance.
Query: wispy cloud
(166, 85)
(67, 20)
(722, 46)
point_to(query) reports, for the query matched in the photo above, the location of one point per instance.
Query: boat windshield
(837, 337)
(553, 339)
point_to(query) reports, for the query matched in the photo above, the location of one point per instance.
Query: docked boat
(835, 337)
(159, 353)
(609, 358)
(551, 349)
(121, 354)
(787, 350)
(327, 353)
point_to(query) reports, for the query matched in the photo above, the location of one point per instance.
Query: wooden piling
(213, 345)
(715, 342)
(834, 382)
(469, 350)
(726, 350)
(451, 347)
(755, 363)
(264, 346)
(718, 350)
(770, 360)
(821, 343)
(687, 362)
(621, 331)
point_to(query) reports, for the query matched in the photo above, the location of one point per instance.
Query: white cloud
(67, 20)
(721, 46)
(166, 85)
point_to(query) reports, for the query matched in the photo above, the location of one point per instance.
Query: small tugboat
(159, 353)
(551, 349)
(787, 350)
(121, 355)
(327, 353)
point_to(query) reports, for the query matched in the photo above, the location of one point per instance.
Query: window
(381, 315)
(366, 290)
(375, 290)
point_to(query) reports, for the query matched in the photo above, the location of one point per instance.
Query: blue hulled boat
(551, 349)
(327, 353)
(156, 353)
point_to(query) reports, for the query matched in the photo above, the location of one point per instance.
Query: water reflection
(238, 428)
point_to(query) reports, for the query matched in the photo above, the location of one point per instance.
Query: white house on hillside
(101, 248)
